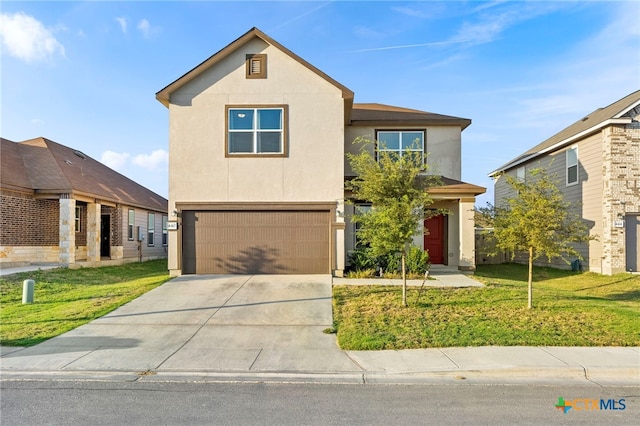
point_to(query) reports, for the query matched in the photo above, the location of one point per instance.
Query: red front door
(434, 239)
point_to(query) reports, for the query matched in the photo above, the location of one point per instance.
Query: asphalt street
(142, 403)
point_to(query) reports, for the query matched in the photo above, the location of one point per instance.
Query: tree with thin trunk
(396, 185)
(536, 220)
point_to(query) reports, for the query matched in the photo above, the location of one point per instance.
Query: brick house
(60, 206)
(257, 143)
(597, 160)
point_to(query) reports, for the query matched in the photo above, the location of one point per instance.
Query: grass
(68, 298)
(570, 309)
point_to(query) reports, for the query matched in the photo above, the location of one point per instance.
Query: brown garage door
(256, 242)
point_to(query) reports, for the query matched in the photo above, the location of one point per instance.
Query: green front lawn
(67, 298)
(570, 309)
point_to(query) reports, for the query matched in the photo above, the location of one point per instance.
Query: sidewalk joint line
(255, 359)
(543, 349)
(448, 357)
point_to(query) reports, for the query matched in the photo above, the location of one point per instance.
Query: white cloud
(26, 38)
(157, 160)
(147, 30)
(115, 160)
(123, 23)
(410, 11)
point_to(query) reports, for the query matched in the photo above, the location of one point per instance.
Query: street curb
(572, 375)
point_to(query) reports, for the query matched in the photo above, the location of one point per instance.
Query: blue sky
(85, 74)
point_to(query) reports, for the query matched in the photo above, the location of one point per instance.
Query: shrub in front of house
(362, 264)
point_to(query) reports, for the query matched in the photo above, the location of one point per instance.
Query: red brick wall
(25, 221)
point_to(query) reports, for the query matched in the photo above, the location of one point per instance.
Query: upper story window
(256, 130)
(520, 174)
(572, 165)
(256, 65)
(398, 142)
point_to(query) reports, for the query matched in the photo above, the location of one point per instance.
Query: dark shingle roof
(46, 167)
(590, 123)
(380, 114)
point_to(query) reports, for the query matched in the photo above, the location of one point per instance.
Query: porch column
(67, 231)
(339, 226)
(467, 235)
(93, 232)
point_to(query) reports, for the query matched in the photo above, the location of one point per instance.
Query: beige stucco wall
(198, 169)
(443, 146)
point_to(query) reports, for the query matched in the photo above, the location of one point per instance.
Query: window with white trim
(399, 142)
(164, 230)
(257, 131)
(77, 220)
(572, 165)
(151, 228)
(131, 224)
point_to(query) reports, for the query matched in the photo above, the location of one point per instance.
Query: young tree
(536, 220)
(396, 186)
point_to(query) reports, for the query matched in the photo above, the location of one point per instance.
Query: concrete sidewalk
(270, 328)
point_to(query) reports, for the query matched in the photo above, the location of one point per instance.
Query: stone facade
(621, 192)
(67, 238)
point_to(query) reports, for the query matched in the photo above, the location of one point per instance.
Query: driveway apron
(204, 323)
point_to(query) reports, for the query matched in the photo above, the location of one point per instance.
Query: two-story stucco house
(257, 142)
(597, 162)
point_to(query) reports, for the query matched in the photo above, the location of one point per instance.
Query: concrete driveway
(209, 323)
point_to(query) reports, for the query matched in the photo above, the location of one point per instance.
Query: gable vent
(256, 66)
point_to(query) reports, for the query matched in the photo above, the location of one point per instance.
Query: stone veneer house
(598, 161)
(60, 206)
(257, 143)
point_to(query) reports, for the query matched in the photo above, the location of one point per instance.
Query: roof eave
(561, 144)
(164, 94)
(463, 123)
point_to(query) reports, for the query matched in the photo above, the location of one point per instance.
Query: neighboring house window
(256, 65)
(164, 230)
(520, 174)
(77, 221)
(359, 209)
(572, 165)
(132, 221)
(398, 142)
(151, 228)
(259, 131)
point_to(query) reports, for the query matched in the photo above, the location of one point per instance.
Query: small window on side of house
(151, 228)
(77, 220)
(520, 174)
(164, 230)
(131, 224)
(572, 165)
(256, 65)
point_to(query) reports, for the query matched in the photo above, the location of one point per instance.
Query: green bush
(417, 260)
(362, 260)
